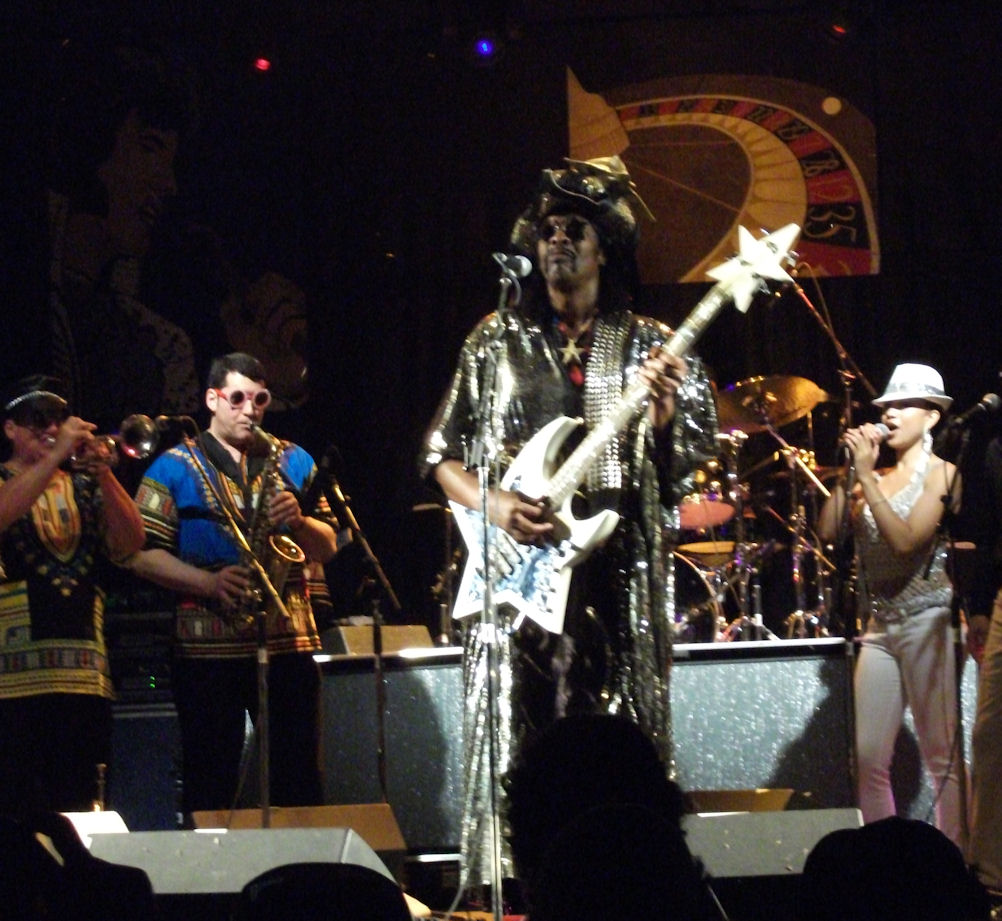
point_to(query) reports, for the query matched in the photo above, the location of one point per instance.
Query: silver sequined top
(893, 586)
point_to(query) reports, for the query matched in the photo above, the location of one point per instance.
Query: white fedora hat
(915, 382)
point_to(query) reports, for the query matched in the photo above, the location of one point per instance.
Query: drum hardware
(762, 404)
(749, 625)
(703, 621)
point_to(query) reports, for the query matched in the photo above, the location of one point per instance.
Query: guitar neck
(573, 471)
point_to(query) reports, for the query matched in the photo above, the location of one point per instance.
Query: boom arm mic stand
(327, 483)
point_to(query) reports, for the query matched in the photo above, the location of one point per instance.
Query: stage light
(484, 48)
(262, 64)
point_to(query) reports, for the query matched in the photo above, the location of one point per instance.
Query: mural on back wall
(712, 153)
(118, 286)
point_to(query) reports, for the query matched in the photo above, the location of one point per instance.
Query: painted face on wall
(139, 179)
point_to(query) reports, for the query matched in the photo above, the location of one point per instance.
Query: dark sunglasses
(40, 417)
(237, 398)
(574, 229)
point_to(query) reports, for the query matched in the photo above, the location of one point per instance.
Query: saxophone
(277, 553)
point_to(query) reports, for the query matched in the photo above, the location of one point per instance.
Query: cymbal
(755, 403)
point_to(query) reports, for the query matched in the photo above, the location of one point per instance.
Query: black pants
(211, 698)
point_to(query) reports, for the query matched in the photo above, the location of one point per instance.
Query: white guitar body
(534, 581)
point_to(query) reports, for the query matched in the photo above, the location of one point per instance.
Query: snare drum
(708, 508)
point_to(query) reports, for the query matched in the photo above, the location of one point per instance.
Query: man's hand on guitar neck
(663, 374)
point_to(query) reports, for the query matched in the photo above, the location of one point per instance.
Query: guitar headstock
(757, 259)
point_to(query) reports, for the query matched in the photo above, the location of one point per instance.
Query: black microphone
(163, 423)
(988, 404)
(518, 266)
(308, 501)
(176, 427)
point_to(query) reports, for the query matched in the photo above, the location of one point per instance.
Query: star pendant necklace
(575, 349)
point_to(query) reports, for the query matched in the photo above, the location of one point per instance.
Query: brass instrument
(277, 553)
(137, 438)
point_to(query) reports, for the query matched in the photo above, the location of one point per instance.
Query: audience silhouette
(46, 872)
(894, 869)
(595, 826)
(322, 892)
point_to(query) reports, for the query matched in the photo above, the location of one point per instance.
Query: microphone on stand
(165, 423)
(986, 406)
(518, 266)
(308, 500)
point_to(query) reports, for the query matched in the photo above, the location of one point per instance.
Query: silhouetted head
(892, 869)
(576, 764)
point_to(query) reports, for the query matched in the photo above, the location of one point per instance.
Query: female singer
(903, 593)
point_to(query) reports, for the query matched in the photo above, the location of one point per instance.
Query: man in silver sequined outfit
(570, 349)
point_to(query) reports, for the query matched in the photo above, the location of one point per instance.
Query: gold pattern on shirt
(57, 517)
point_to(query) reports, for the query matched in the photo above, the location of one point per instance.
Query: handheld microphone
(986, 406)
(518, 266)
(883, 433)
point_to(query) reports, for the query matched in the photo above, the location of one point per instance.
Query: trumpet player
(58, 523)
(192, 550)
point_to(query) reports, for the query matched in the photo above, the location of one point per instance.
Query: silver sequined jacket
(640, 476)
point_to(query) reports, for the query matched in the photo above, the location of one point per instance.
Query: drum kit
(735, 542)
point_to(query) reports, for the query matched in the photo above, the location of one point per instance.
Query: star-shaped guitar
(535, 580)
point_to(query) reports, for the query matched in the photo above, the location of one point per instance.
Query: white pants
(908, 664)
(985, 851)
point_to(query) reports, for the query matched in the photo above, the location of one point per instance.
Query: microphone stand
(338, 501)
(945, 534)
(844, 562)
(849, 373)
(261, 623)
(482, 456)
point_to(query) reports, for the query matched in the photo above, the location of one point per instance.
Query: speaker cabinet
(198, 875)
(422, 730)
(374, 822)
(145, 771)
(765, 715)
(755, 859)
(359, 640)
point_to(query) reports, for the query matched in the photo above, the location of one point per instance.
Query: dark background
(379, 166)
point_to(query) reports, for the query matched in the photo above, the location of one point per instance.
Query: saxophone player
(192, 550)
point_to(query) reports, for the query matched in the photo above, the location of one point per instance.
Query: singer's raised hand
(864, 443)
